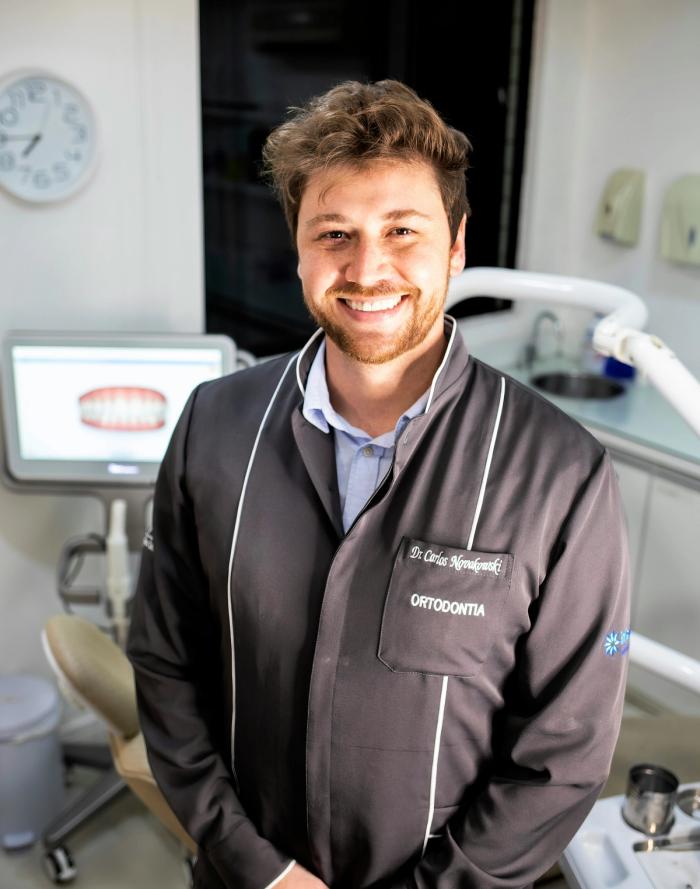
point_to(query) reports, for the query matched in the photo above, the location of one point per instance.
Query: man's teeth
(373, 305)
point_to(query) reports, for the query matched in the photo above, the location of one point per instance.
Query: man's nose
(367, 263)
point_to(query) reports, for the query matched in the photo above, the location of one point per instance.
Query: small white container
(32, 791)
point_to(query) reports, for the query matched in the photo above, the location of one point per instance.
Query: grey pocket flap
(442, 608)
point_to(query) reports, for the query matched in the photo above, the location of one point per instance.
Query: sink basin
(577, 385)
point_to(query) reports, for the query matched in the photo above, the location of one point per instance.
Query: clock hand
(4, 137)
(32, 145)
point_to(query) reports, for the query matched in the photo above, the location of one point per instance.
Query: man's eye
(402, 230)
(333, 236)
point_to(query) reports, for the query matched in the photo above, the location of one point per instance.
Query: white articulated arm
(665, 662)
(618, 334)
(626, 308)
(670, 376)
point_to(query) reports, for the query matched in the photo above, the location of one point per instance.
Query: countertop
(639, 422)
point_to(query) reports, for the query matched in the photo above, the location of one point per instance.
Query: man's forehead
(403, 184)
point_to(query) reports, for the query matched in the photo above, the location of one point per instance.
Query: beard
(373, 348)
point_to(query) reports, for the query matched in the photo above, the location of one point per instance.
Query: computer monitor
(98, 410)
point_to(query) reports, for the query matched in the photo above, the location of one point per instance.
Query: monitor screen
(99, 409)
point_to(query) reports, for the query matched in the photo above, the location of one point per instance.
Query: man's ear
(458, 255)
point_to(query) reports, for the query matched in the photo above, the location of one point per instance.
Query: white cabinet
(663, 515)
(668, 587)
(635, 484)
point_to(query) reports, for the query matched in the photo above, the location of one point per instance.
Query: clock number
(61, 171)
(8, 117)
(73, 154)
(41, 179)
(36, 90)
(70, 113)
(17, 97)
(7, 161)
(27, 170)
(79, 133)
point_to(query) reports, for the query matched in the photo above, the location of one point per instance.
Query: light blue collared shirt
(361, 461)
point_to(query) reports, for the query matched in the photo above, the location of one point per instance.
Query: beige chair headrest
(95, 669)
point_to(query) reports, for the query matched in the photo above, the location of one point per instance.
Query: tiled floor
(121, 847)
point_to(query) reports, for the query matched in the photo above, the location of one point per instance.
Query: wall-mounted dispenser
(620, 208)
(680, 221)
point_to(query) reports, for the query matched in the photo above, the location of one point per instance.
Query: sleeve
(563, 712)
(178, 693)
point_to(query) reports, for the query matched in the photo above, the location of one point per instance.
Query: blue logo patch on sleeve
(617, 642)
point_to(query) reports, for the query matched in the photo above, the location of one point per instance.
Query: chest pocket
(442, 608)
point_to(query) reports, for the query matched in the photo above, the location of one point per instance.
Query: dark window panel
(260, 57)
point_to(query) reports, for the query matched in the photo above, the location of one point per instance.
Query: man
(369, 640)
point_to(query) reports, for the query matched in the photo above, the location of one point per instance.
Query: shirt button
(367, 451)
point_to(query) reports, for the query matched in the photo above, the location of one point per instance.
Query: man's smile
(373, 305)
(364, 310)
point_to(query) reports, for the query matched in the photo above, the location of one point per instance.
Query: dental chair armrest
(131, 762)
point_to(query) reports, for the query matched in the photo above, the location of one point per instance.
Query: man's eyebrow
(325, 217)
(403, 214)
(392, 215)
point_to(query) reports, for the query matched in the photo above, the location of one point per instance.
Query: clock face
(47, 137)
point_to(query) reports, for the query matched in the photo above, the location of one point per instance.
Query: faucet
(530, 351)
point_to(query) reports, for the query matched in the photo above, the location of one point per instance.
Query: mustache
(381, 288)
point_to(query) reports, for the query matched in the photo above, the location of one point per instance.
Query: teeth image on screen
(78, 405)
(123, 408)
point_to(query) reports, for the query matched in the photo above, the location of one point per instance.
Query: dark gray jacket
(430, 700)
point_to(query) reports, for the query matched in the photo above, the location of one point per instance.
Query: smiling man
(369, 636)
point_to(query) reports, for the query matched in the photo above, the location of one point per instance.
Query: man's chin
(364, 351)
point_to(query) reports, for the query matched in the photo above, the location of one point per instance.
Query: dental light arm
(618, 333)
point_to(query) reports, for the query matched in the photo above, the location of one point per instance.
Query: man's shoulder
(250, 387)
(234, 405)
(528, 415)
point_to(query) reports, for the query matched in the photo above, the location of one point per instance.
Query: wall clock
(48, 137)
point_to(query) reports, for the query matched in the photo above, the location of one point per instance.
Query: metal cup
(650, 797)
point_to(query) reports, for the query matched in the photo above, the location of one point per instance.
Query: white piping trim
(300, 356)
(234, 540)
(445, 679)
(436, 754)
(282, 875)
(442, 363)
(488, 464)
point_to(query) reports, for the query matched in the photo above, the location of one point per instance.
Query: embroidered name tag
(457, 562)
(442, 608)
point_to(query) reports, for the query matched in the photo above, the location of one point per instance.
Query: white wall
(123, 254)
(614, 85)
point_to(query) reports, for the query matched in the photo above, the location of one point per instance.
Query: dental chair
(94, 672)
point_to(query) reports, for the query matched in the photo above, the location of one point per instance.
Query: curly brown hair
(354, 123)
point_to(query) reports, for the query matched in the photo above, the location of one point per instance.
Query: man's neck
(372, 397)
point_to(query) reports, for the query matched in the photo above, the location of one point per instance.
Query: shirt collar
(319, 411)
